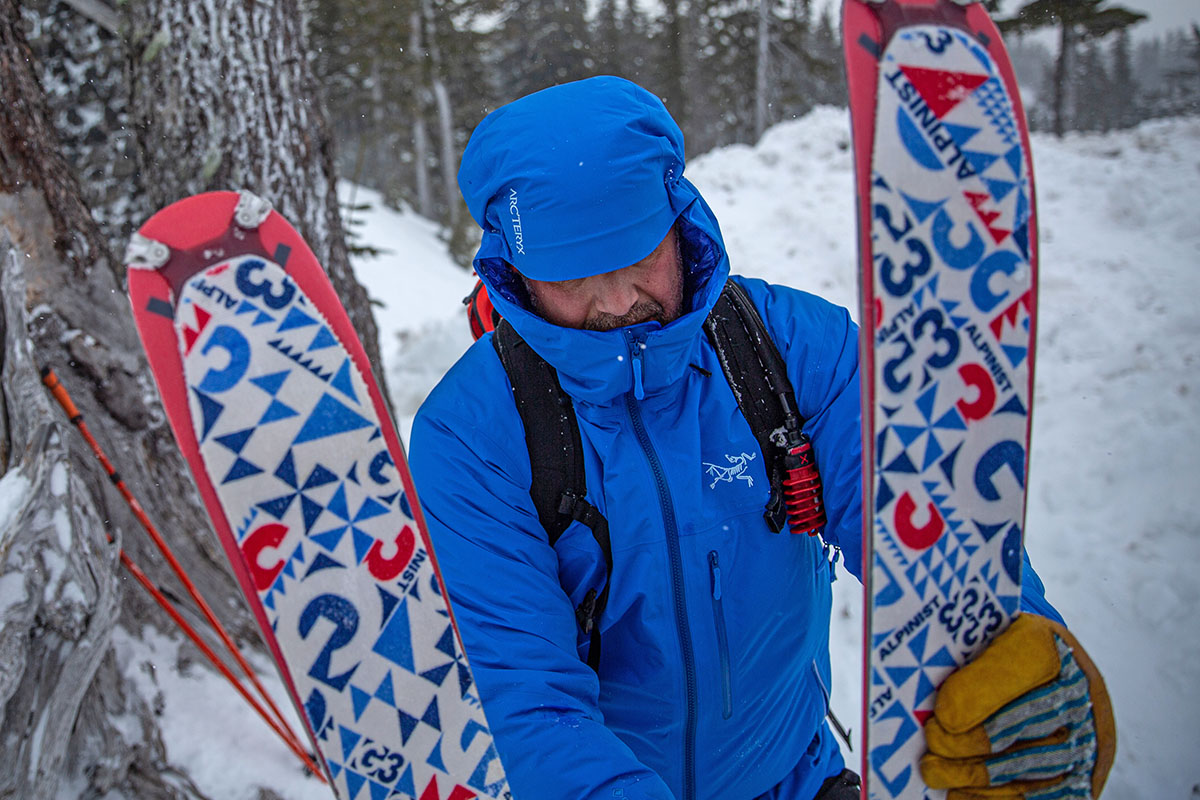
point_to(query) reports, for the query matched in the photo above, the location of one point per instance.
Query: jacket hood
(581, 179)
(575, 180)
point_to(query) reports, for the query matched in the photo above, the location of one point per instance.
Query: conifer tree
(1077, 21)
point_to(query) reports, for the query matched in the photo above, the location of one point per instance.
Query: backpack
(756, 373)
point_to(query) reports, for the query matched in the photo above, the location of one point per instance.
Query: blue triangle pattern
(271, 383)
(235, 441)
(312, 510)
(286, 471)
(942, 658)
(210, 410)
(435, 758)
(343, 382)
(883, 495)
(951, 420)
(1021, 236)
(277, 411)
(921, 209)
(330, 539)
(1015, 354)
(960, 133)
(988, 532)
(349, 739)
(370, 508)
(432, 717)
(329, 418)
(321, 562)
(354, 782)
(1014, 159)
(933, 451)
(902, 463)
(1012, 406)
(408, 724)
(277, 507)
(337, 504)
(979, 161)
(295, 319)
(319, 476)
(900, 675)
(241, 469)
(405, 786)
(262, 319)
(386, 692)
(362, 543)
(388, 602)
(926, 400)
(437, 675)
(947, 464)
(925, 688)
(916, 645)
(395, 641)
(379, 791)
(446, 643)
(360, 700)
(322, 340)
(999, 189)
(245, 308)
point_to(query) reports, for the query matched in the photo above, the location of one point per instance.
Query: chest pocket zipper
(722, 636)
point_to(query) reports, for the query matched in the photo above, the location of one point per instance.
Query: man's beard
(642, 311)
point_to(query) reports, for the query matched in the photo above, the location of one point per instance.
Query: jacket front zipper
(676, 562)
(714, 566)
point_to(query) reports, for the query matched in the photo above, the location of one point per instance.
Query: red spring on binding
(802, 488)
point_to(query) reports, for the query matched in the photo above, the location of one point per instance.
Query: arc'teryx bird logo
(737, 469)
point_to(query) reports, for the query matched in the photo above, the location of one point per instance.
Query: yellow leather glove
(1028, 719)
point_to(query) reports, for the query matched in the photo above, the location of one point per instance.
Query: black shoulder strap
(757, 375)
(559, 487)
(755, 371)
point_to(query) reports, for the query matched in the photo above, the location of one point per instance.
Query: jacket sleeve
(819, 342)
(517, 623)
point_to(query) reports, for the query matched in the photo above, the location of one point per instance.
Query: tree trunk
(420, 137)
(221, 97)
(1062, 70)
(60, 687)
(761, 65)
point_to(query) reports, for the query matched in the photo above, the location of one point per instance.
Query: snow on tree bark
(223, 96)
(224, 99)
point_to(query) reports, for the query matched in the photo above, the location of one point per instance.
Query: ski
(948, 261)
(274, 406)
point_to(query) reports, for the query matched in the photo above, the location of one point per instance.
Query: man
(712, 680)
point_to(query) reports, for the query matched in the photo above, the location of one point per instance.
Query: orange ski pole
(192, 634)
(50, 379)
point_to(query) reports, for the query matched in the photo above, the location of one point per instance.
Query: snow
(1113, 515)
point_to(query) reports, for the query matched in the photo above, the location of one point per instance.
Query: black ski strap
(559, 488)
(757, 374)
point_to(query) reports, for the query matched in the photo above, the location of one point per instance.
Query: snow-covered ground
(1114, 502)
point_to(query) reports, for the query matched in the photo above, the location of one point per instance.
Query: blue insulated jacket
(715, 661)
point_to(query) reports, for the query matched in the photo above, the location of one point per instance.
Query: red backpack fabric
(481, 314)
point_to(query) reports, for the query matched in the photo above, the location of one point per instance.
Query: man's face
(650, 290)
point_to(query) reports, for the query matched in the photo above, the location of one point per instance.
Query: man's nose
(614, 294)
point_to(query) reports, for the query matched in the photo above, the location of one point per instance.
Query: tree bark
(228, 104)
(223, 97)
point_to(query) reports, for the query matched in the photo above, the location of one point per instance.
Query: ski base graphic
(274, 406)
(948, 257)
